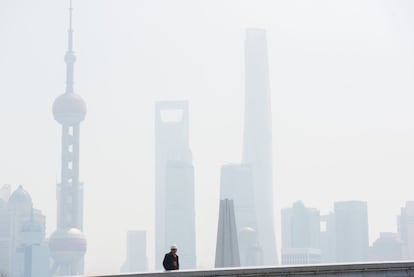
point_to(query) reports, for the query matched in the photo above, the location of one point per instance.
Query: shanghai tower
(257, 144)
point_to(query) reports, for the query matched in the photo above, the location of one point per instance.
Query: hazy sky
(342, 82)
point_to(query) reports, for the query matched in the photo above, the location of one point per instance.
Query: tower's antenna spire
(70, 31)
(70, 56)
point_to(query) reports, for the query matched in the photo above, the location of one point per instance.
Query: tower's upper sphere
(69, 108)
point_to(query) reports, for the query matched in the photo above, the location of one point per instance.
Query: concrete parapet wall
(382, 269)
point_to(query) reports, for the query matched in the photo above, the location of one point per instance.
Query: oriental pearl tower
(68, 244)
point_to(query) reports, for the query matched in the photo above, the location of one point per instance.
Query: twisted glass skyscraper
(257, 147)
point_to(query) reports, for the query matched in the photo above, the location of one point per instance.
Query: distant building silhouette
(23, 248)
(68, 244)
(388, 247)
(300, 235)
(327, 239)
(406, 229)
(174, 184)
(351, 231)
(180, 211)
(257, 145)
(227, 247)
(237, 184)
(136, 256)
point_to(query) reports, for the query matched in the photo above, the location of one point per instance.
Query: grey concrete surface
(380, 269)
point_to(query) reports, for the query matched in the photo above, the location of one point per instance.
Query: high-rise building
(300, 235)
(388, 247)
(68, 244)
(406, 229)
(227, 249)
(351, 231)
(328, 238)
(257, 145)
(180, 211)
(174, 184)
(22, 228)
(236, 183)
(32, 254)
(4, 195)
(136, 256)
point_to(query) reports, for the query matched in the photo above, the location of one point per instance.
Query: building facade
(236, 183)
(406, 229)
(257, 144)
(180, 211)
(227, 246)
(351, 231)
(300, 235)
(22, 231)
(388, 247)
(174, 183)
(136, 252)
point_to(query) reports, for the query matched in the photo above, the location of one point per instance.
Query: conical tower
(227, 246)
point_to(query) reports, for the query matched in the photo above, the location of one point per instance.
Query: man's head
(173, 248)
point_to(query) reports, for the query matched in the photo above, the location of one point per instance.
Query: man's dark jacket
(168, 262)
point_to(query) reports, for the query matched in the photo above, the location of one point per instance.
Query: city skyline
(341, 97)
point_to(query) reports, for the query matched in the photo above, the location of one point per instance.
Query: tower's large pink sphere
(69, 108)
(67, 245)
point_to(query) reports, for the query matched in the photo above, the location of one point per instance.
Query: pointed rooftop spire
(70, 31)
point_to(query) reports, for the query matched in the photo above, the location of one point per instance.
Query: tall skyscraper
(300, 235)
(351, 228)
(68, 244)
(236, 183)
(136, 256)
(406, 229)
(174, 184)
(227, 247)
(257, 147)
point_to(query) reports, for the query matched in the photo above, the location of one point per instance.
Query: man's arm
(165, 262)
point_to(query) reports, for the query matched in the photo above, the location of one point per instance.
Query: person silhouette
(170, 261)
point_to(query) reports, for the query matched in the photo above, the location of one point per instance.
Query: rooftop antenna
(70, 26)
(70, 55)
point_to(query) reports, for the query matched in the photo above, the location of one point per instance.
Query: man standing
(170, 261)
